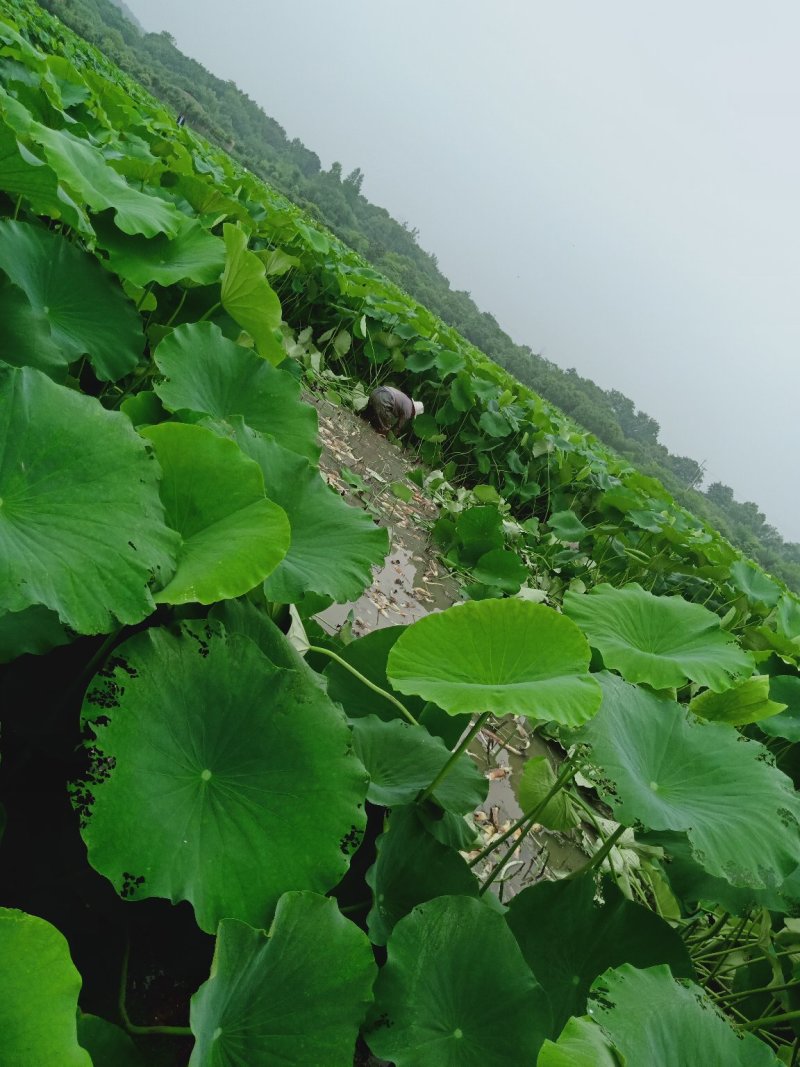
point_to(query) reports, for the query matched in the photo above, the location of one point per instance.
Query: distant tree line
(227, 116)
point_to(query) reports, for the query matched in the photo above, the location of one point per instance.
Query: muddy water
(543, 854)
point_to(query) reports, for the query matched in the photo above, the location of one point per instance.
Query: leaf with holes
(217, 777)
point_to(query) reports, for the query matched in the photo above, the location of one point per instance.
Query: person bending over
(390, 409)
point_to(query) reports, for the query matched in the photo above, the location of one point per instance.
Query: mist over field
(616, 185)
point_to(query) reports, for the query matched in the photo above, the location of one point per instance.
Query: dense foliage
(220, 111)
(229, 839)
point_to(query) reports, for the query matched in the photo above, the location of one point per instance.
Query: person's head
(419, 407)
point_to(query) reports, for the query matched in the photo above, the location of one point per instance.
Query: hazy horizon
(617, 186)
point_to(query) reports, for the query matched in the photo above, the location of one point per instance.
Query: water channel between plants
(363, 467)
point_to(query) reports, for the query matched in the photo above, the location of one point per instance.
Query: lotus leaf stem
(365, 681)
(457, 752)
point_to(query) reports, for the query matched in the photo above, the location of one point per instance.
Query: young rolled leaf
(509, 657)
(651, 1019)
(568, 939)
(82, 527)
(232, 537)
(87, 311)
(39, 989)
(660, 640)
(217, 777)
(663, 769)
(295, 996)
(447, 960)
(207, 374)
(749, 701)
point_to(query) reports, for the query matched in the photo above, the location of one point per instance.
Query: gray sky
(618, 183)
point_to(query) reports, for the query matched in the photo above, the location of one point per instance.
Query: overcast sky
(618, 183)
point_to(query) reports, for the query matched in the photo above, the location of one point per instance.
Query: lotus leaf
(86, 310)
(248, 297)
(216, 777)
(109, 1046)
(295, 996)
(660, 640)
(749, 701)
(501, 569)
(581, 1044)
(756, 586)
(536, 781)
(192, 254)
(569, 939)
(39, 989)
(35, 630)
(210, 375)
(567, 526)
(785, 689)
(664, 769)
(410, 868)
(684, 1030)
(81, 522)
(510, 657)
(447, 960)
(333, 547)
(232, 537)
(402, 760)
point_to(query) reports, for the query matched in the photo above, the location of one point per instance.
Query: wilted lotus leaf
(503, 656)
(660, 640)
(217, 777)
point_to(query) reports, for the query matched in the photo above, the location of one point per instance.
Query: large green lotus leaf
(448, 960)
(652, 1019)
(334, 546)
(295, 997)
(402, 760)
(232, 537)
(568, 939)
(666, 770)
(248, 297)
(756, 586)
(509, 657)
(87, 311)
(85, 171)
(81, 524)
(410, 868)
(35, 630)
(109, 1046)
(216, 777)
(567, 526)
(39, 989)
(581, 1044)
(369, 655)
(660, 640)
(24, 174)
(210, 375)
(749, 701)
(691, 884)
(193, 254)
(785, 689)
(25, 338)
